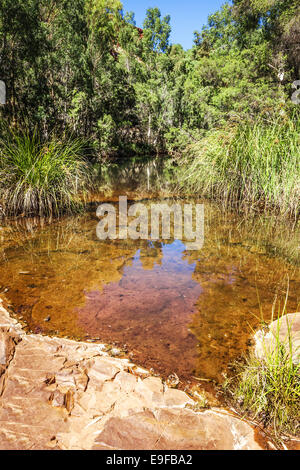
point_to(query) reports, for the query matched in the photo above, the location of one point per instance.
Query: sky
(186, 15)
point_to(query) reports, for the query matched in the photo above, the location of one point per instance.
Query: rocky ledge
(60, 394)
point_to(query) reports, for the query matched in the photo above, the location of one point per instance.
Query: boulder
(287, 330)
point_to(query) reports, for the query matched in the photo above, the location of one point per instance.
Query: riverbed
(170, 309)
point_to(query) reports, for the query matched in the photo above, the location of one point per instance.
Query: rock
(169, 429)
(173, 380)
(176, 398)
(154, 384)
(115, 352)
(8, 342)
(289, 329)
(61, 394)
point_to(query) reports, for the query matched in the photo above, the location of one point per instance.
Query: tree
(280, 22)
(156, 30)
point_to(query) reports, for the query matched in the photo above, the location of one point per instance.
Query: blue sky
(186, 16)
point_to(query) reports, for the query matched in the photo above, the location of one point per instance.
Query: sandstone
(60, 394)
(288, 329)
(176, 430)
(176, 398)
(126, 381)
(154, 384)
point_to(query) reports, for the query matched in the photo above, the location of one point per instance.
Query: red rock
(61, 394)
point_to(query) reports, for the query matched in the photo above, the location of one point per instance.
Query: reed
(254, 164)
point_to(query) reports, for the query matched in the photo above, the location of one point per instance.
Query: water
(172, 310)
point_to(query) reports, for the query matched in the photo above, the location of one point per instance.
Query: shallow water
(172, 310)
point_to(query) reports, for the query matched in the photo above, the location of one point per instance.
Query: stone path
(61, 394)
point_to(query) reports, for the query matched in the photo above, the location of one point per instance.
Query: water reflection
(149, 309)
(175, 310)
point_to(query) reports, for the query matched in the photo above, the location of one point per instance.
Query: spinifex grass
(257, 163)
(41, 179)
(268, 388)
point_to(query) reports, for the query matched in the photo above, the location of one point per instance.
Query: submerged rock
(115, 352)
(62, 394)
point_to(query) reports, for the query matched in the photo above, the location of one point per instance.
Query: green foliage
(58, 63)
(279, 22)
(43, 179)
(156, 30)
(270, 390)
(232, 78)
(256, 163)
(70, 64)
(83, 68)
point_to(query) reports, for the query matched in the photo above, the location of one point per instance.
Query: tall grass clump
(267, 387)
(41, 178)
(257, 163)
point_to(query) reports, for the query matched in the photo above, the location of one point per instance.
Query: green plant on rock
(268, 388)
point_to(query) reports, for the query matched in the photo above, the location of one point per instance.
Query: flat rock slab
(174, 429)
(60, 394)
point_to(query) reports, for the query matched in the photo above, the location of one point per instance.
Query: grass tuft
(41, 179)
(253, 163)
(268, 388)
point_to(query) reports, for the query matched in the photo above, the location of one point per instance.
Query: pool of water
(173, 310)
